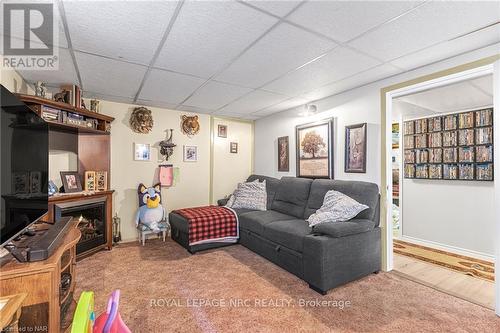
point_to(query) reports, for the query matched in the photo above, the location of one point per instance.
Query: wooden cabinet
(47, 303)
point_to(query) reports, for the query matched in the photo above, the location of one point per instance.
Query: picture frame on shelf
(89, 181)
(20, 182)
(314, 149)
(190, 153)
(35, 182)
(355, 148)
(142, 152)
(101, 180)
(71, 181)
(283, 154)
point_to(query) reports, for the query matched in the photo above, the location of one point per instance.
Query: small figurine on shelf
(40, 89)
(83, 106)
(62, 97)
(94, 105)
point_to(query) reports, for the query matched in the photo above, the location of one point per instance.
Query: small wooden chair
(144, 231)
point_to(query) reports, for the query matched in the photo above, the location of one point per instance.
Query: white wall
(354, 106)
(363, 105)
(229, 169)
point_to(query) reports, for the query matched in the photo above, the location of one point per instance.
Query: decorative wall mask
(141, 120)
(190, 125)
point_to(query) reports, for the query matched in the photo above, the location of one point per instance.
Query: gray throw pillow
(337, 207)
(251, 195)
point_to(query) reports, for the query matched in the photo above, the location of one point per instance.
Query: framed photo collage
(450, 147)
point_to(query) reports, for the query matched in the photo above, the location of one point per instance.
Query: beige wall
(126, 174)
(11, 80)
(229, 169)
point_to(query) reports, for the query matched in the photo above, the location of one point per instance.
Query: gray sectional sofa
(326, 256)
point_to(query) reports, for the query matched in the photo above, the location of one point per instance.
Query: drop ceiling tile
(281, 50)
(427, 25)
(344, 20)
(109, 77)
(368, 76)
(65, 74)
(194, 109)
(207, 35)
(127, 30)
(451, 48)
(156, 104)
(169, 87)
(336, 65)
(280, 8)
(252, 102)
(214, 95)
(285, 105)
(99, 96)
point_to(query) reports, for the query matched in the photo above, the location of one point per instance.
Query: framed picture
(233, 147)
(71, 181)
(142, 152)
(450, 171)
(484, 118)
(90, 181)
(191, 153)
(466, 137)
(466, 154)
(283, 154)
(466, 171)
(355, 148)
(20, 182)
(222, 131)
(484, 154)
(101, 178)
(409, 171)
(435, 171)
(395, 136)
(484, 171)
(315, 149)
(35, 181)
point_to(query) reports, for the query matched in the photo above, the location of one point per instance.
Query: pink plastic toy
(111, 321)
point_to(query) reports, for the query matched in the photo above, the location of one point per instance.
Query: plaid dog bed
(211, 224)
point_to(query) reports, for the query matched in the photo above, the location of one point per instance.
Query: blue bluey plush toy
(150, 213)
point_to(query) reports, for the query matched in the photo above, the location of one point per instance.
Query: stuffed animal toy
(150, 212)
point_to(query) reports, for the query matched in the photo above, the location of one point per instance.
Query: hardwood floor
(460, 285)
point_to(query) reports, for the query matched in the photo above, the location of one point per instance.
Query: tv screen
(24, 140)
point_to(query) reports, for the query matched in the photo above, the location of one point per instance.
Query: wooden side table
(11, 311)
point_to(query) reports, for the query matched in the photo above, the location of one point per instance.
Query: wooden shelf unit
(41, 281)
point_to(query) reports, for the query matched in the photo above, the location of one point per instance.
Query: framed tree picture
(283, 154)
(315, 149)
(355, 148)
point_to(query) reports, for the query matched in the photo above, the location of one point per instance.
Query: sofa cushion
(341, 229)
(256, 220)
(272, 185)
(289, 233)
(292, 196)
(362, 192)
(240, 211)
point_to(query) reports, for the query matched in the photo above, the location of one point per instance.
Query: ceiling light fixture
(308, 110)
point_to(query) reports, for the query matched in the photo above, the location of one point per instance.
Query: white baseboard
(448, 248)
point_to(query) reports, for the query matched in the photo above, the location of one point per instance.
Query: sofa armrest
(222, 202)
(342, 229)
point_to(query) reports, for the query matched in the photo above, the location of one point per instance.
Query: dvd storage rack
(455, 146)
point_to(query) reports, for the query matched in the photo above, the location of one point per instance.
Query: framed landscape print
(355, 148)
(315, 149)
(283, 154)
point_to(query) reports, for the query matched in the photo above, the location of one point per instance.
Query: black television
(24, 140)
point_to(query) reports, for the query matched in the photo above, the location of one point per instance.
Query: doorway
(414, 91)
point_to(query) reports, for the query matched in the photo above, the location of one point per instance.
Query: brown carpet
(478, 268)
(161, 282)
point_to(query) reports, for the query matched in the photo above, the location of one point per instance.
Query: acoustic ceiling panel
(121, 30)
(279, 8)
(253, 102)
(169, 87)
(338, 64)
(207, 35)
(109, 77)
(214, 95)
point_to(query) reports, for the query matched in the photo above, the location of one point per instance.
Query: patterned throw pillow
(337, 207)
(250, 195)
